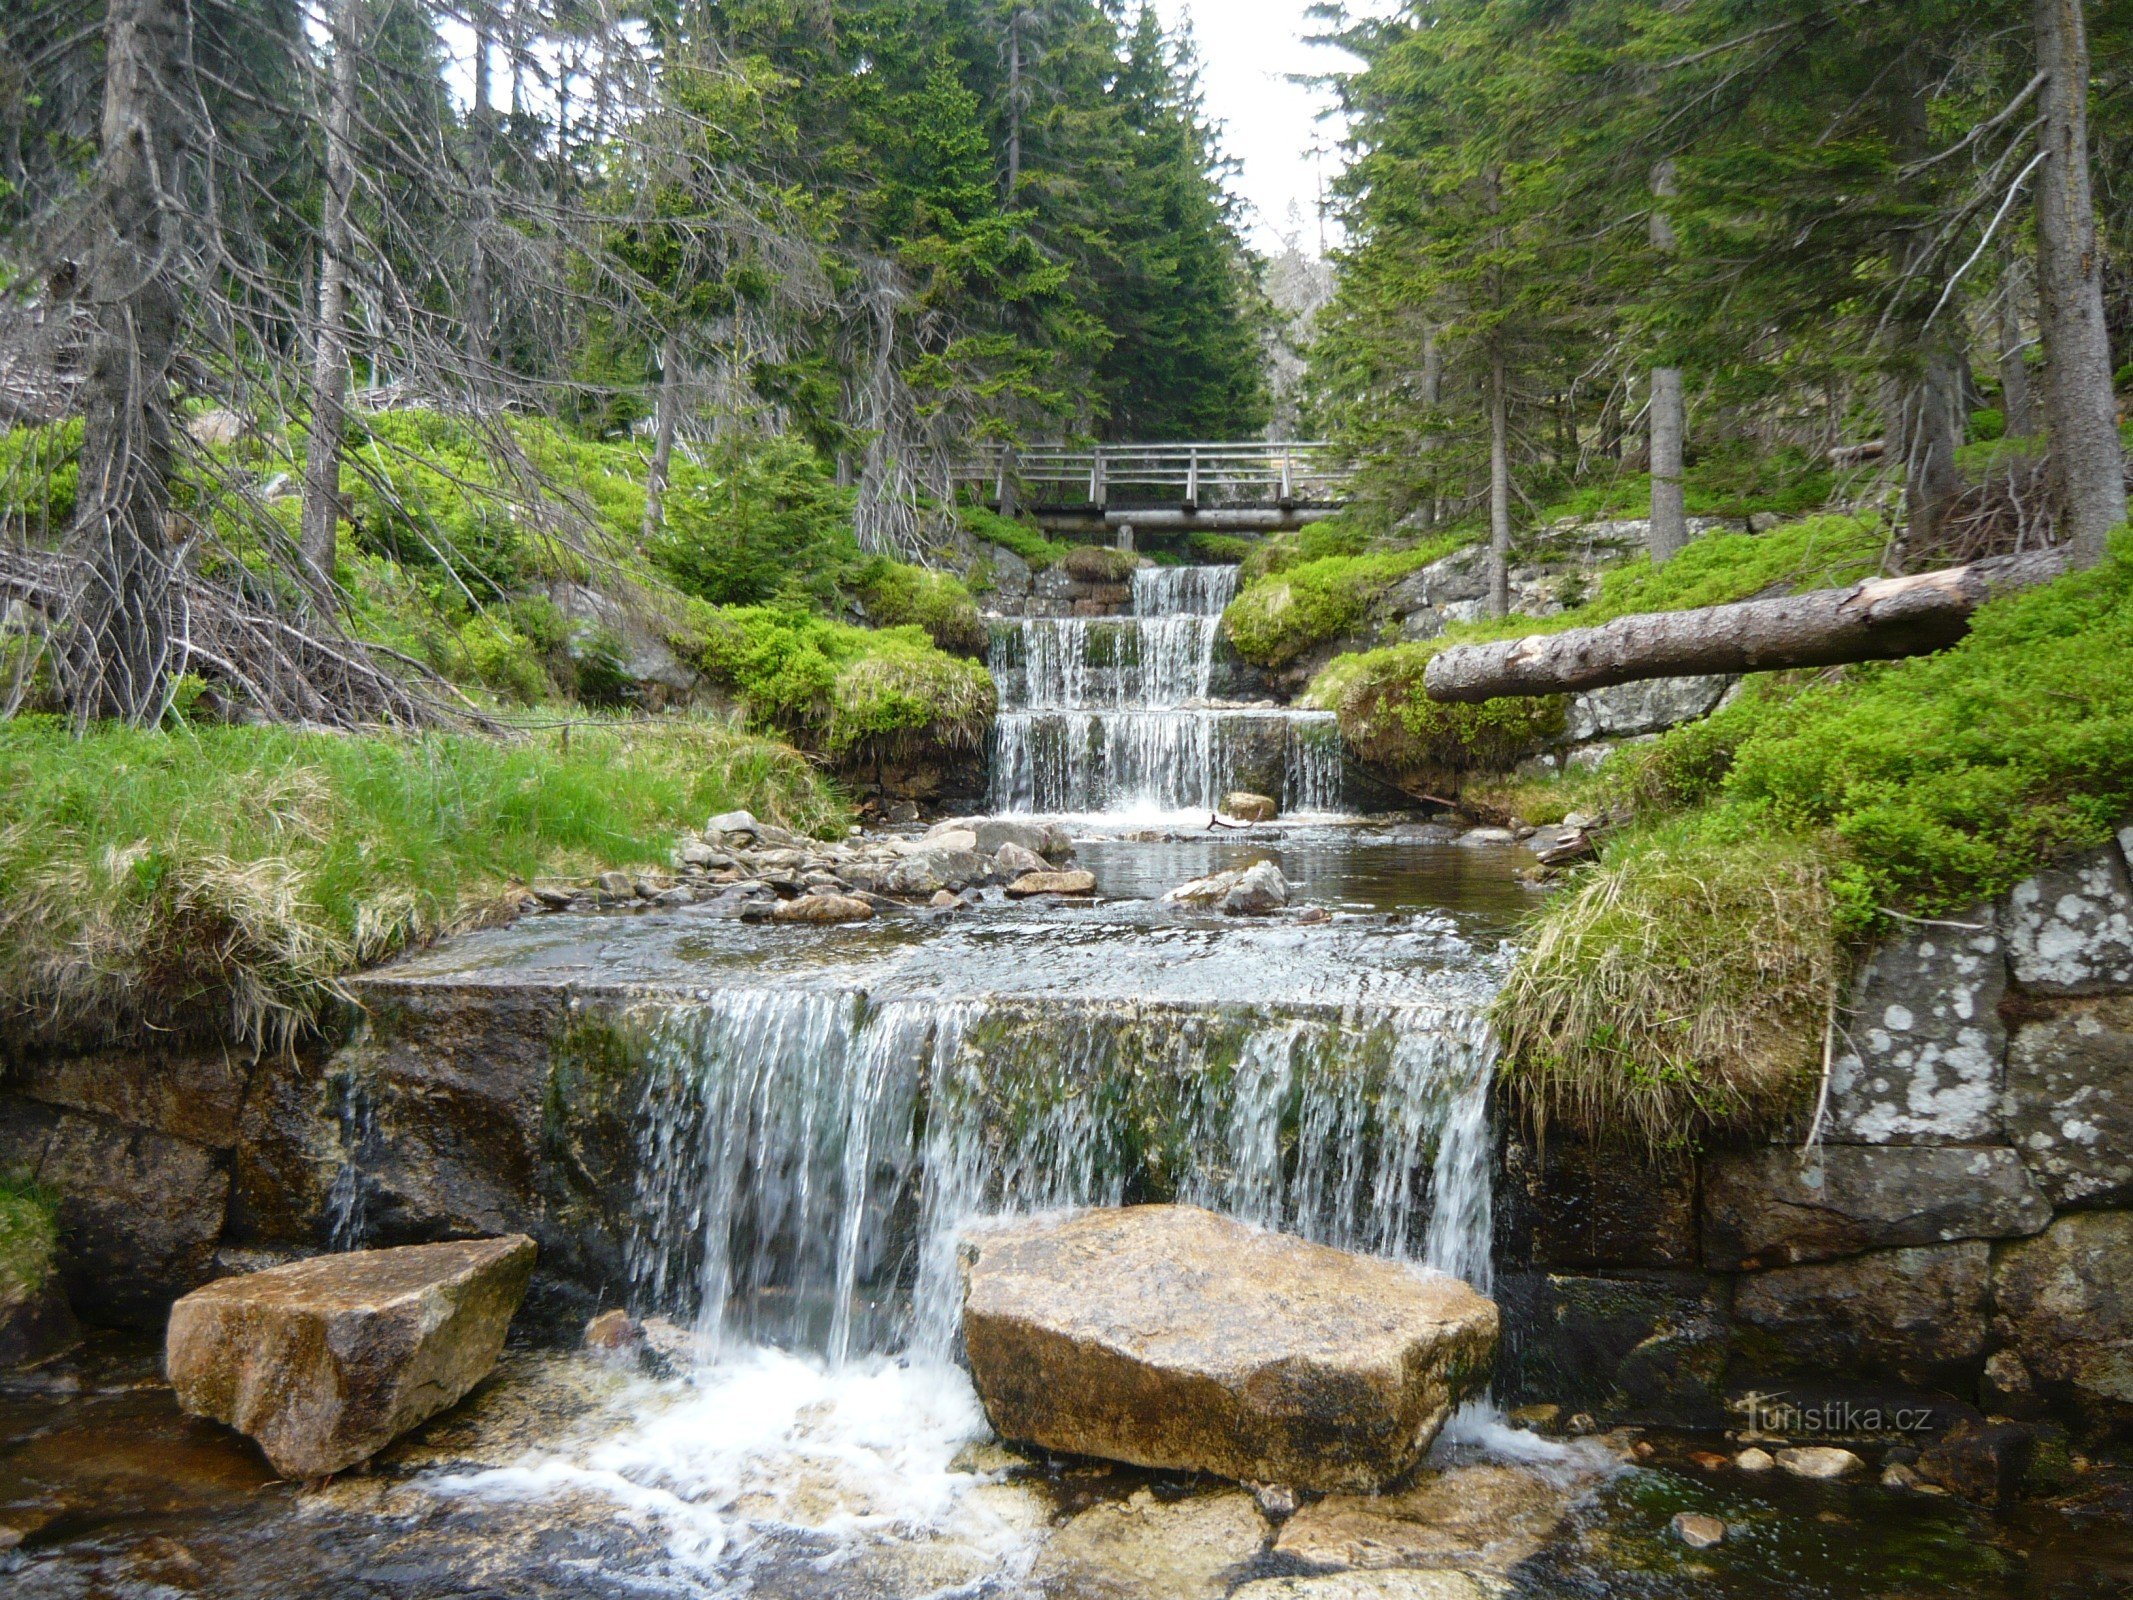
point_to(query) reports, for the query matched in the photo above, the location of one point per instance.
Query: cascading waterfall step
(1099, 716)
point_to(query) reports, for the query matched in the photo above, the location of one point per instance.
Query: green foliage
(1292, 610)
(224, 877)
(1315, 541)
(755, 523)
(39, 467)
(1220, 549)
(1099, 563)
(898, 595)
(838, 688)
(1392, 725)
(29, 1236)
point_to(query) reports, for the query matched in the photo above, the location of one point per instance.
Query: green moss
(226, 877)
(1396, 728)
(1315, 541)
(39, 469)
(1220, 549)
(898, 595)
(836, 687)
(1097, 563)
(1022, 538)
(1292, 609)
(29, 1236)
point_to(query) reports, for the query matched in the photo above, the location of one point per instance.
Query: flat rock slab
(325, 1362)
(1143, 1548)
(1170, 1337)
(1488, 1516)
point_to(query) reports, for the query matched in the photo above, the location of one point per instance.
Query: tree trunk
(1932, 432)
(1669, 418)
(1014, 106)
(478, 314)
(1874, 621)
(1670, 510)
(329, 356)
(116, 657)
(2088, 460)
(1499, 488)
(655, 481)
(2018, 402)
(1432, 398)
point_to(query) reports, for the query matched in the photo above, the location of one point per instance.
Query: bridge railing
(1187, 474)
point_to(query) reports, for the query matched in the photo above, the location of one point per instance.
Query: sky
(1247, 48)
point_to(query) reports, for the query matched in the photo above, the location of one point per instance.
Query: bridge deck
(1231, 487)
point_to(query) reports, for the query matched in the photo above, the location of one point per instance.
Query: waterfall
(809, 1157)
(1099, 716)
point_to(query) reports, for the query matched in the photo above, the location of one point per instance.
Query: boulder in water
(1170, 1337)
(1250, 807)
(1012, 860)
(1046, 839)
(327, 1361)
(1259, 889)
(821, 909)
(1031, 884)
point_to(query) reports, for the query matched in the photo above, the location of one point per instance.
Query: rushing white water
(1099, 717)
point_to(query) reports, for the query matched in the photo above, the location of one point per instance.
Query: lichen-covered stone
(1168, 1336)
(2064, 1302)
(1032, 884)
(2070, 928)
(325, 1362)
(1925, 1040)
(821, 909)
(1649, 706)
(1917, 1313)
(2069, 1103)
(1768, 1208)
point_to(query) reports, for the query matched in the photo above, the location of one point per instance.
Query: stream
(828, 1106)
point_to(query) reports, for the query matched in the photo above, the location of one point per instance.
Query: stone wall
(1964, 1230)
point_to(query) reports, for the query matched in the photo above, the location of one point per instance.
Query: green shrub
(39, 470)
(898, 595)
(756, 523)
(222, 878)
(1220, 549)
(1281, 616)
(1314, 541)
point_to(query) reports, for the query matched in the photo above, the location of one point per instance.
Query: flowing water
(1107, 716)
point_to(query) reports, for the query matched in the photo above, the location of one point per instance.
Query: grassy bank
(1684, 987)
(1309, 589)
(223, 878)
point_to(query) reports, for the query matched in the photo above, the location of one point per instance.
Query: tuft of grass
(1020, 537)
(1680, 990)
(29, 1237)
(1295, 608)
(222, 879)
(1220, 549)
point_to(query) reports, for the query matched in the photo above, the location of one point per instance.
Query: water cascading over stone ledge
(1109, 714)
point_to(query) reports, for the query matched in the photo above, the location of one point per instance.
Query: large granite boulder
(1648, 706)
(1918, 1313)
(2070, 928)
(2064, 1303)
(2070, 1099)
(1926, 1040)
(1168, 1336)
(325, 1362)
(1766, 1208)
(1145, 1548)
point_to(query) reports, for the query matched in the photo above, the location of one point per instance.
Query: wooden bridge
(1255, 487)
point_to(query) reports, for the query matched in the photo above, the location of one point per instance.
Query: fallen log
(1878, 620)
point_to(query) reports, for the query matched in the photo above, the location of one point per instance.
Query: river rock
(2064, 1302)
(1763, 1208)
(2070, 928)
(821, 909)
(1488, 1516)
(1031, 884)
(1698, 1529)
(1143, 1548)
(1012, 860)
(1171, 1337)
(1919, 1312)
(1259, 890)
(961, 840)
(325, 1362)
(732, 828)
(2070, 1099)
(1819, 1461)
(1984, 1462)
(1924, 1039)
(1250, 807)
(1379, 1585)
